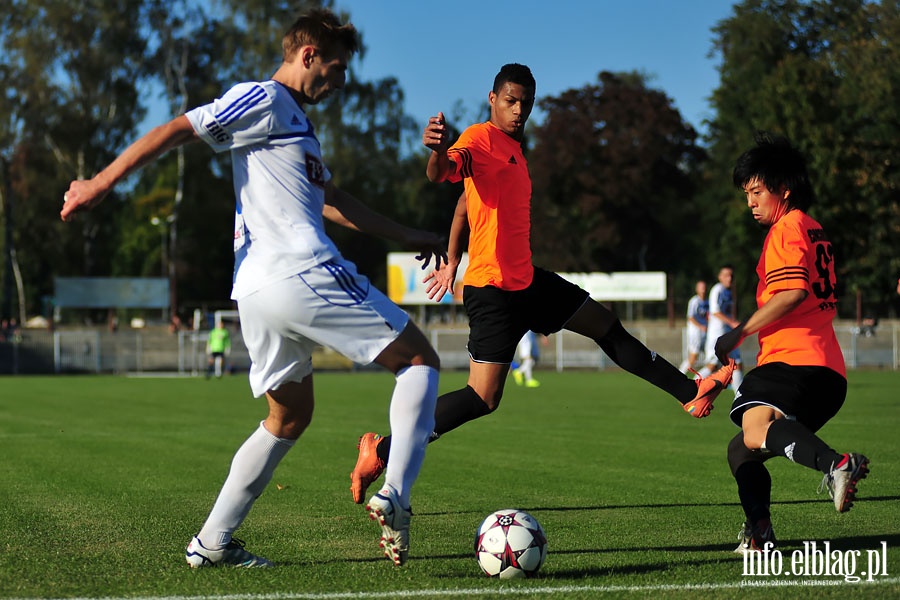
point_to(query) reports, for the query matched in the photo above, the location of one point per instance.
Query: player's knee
(492, 403)
(754, 437)
(288, 427)
(490, 399)
(411, 348)
(429, 357)
(739, 453)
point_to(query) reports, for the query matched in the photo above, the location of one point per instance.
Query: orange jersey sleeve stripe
(785, 273)
(463, 158)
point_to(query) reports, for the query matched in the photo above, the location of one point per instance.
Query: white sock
(412, 421)
(736, 378)
(251, 470)
(526, 368)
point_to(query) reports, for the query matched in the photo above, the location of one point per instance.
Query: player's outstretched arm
(437, 139)
(441, 280)
(85, 194)
(345, 210)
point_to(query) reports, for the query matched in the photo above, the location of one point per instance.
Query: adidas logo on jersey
(295, 120)
(512, 160)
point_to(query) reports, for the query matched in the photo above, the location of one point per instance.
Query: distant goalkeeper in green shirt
(218, 346)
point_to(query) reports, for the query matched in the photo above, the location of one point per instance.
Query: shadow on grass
(816, 500)
(861, 542)
(724, 555)
(537, 509)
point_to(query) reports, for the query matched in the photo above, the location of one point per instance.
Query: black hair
(776, 163)
(514, 73)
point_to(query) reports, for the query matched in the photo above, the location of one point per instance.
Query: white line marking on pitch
(521, 591)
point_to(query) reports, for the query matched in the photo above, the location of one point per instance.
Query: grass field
(103, 480)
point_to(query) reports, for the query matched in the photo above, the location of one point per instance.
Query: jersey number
(824, 288)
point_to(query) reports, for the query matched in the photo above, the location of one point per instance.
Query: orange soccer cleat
(708, 389)
(369, 466)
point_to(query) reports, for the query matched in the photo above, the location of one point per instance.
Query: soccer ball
(510, 543)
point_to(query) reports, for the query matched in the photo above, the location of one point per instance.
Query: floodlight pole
(168, 265)
(163, 243)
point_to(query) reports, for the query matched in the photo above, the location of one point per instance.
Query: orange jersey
(798, 255)
(498, 202)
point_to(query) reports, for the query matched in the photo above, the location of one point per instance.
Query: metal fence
(150, 350)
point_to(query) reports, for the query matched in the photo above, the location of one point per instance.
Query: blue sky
(449, 51)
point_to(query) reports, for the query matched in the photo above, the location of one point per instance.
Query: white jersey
(720, 301)
(279, 182)
(698, 308)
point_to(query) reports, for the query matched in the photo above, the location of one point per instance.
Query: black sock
(630, 354)
(455, 408)
(754, 489)
(452, 410)
(797, 443)
(753, 480)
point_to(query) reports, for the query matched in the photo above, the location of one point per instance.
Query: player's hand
(436, 136)
(440, 281)
(427, 244)
(728, 342)
(83, 194)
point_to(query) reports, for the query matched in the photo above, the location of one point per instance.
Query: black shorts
(809, 395)
(499, 318)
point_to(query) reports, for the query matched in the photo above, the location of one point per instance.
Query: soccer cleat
(708, 389)
(233, 554)
(369, 466)
(394, 520)
(532, 383)
(518, 377)
(756, 537)
(842, 479)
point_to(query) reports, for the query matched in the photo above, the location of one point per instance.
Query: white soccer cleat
(394, 520)
(233, 554)
(841, 481)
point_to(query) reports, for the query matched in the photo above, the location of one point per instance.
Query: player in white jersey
(293, 289)
(528, 352)
(697, 319)
(722, 319)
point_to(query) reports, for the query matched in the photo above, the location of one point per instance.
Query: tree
(68, 99)
(826, 75)
(613, 169)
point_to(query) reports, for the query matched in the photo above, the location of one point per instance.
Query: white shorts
(329, 305)
(696, 339)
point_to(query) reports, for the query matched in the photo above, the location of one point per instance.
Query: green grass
(103, 480)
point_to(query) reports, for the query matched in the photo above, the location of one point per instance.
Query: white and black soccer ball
(510, 543)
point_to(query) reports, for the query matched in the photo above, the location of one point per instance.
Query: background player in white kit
(293, 289)
(697, 319)
(722, 319)
(528, 352)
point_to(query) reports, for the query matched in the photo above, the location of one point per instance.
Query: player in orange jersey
(800, 381)
(505, 295)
